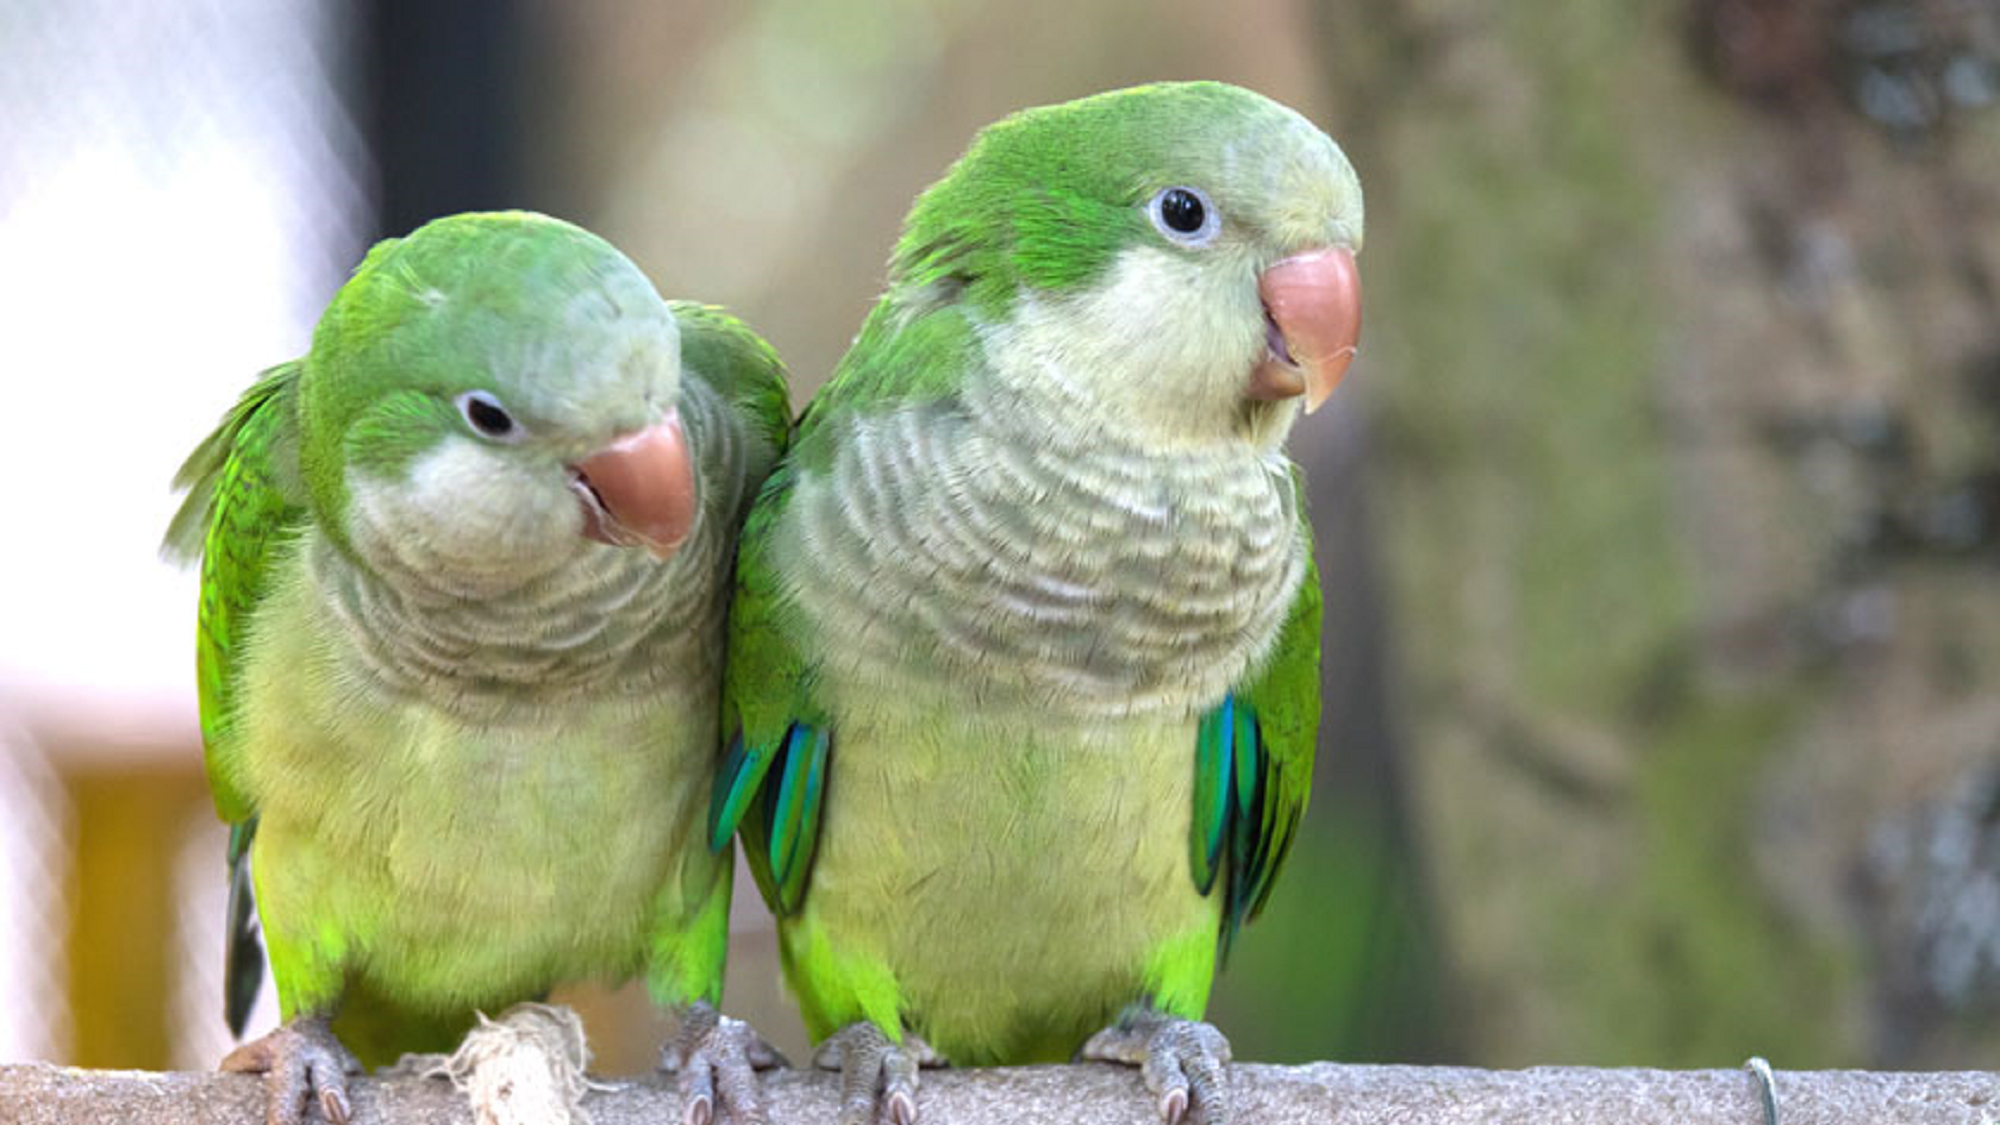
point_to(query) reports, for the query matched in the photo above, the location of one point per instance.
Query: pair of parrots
(521, 597)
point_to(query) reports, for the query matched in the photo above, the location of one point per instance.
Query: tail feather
(243, 958)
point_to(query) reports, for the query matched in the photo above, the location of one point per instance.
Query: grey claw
(698, 1095)
(715, 1060)
(333, 1103)
(302, 1063)
(1180, 1061)
(1767, 1087)
(876, 1075)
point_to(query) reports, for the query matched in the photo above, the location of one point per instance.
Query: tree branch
(1322, 1093)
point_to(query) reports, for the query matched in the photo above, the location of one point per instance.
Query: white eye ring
(1181, 205)
(487, 418)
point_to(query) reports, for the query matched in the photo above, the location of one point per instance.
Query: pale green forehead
(541, 312)
(1155, 126)
(504, 273)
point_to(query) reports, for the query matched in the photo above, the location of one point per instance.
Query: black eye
(1180, 210)
(1185, 216)
(485, 415)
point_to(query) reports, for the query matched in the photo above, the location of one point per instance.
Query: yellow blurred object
(121, 956)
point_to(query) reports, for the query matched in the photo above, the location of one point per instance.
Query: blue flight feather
(786, 809)
(736, 783)
(1212, 769)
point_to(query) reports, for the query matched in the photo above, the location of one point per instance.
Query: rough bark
(1683, 347)
(1326, 1093)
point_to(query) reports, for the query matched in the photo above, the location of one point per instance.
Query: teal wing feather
(1253, 764)
(244, 498)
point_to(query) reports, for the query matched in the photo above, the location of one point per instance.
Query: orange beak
(1312, 314)
(639, 491)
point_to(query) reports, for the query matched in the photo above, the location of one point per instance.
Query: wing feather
(244, 500)
(1253, 762)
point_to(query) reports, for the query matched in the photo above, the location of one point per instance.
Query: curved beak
(1312, 325)
(639, 491)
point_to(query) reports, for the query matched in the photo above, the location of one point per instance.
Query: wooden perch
(1322, 1093)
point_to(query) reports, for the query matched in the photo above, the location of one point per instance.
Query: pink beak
(640, 489)
(1312, 309)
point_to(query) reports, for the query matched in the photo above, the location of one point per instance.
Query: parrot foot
(878, 1078)
(301, 1060)
(716, 1058)
(1181, 1061)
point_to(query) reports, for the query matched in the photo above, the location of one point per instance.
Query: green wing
(771, 784)
(747, 372)
(768, 707)
(737, 362)
(1254, 759)
(244, 498)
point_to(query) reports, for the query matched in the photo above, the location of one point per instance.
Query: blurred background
(1659, 521)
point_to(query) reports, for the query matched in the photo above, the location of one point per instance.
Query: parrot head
(1180, 255)
(493, 395)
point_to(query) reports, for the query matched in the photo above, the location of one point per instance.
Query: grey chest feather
(1081, 576)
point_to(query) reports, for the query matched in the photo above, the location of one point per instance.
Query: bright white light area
(178, 197)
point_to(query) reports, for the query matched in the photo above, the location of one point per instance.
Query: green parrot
(464, 571)
(1024, 650)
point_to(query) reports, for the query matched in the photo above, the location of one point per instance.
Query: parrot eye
(1185, 216)
(487, 417)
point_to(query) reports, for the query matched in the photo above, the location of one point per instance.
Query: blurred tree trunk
(1685, 354)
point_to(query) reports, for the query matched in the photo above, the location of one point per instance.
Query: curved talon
(697, 1095)
(302, 1062)
(1767, 1087)
(714, 1060)
(333, 1103)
